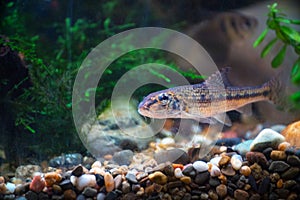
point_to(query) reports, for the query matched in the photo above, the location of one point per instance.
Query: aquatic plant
(281, 25)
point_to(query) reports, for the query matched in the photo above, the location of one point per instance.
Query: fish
(208, 101)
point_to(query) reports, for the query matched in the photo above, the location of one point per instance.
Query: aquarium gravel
(269, 170)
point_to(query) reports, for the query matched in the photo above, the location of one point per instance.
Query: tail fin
(278, 95)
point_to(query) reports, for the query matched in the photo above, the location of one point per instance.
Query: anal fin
(247, 109)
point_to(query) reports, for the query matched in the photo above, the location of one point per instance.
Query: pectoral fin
(224, 119)
(247, 109)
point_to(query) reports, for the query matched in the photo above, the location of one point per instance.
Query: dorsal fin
(218, 79)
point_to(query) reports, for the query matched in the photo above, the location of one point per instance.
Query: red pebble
(177, 166)
(37, 184)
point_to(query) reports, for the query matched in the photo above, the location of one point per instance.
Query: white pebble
(215, 171)
(168, 141)
(223, 148)
(200, 166)
(178, 173)
(96, 164)
(10, 187)
(236, 162)
(86, 180)
(215, 161)
(73, 180)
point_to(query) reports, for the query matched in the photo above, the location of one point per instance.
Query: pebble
(264, 185)
(290, 173)
(200, 166)
(257, 157)
(240, 195)
(278, 155)
(77, 171)
(130, 176)
(31, 195)
(10, 187)
(278, 166)
(123, 157)
(224, 160)
(178, 173)
(215, 171)
(85, 180)
(118, 181)
(89, 192)
(202, 178)
(292, 134)
(236, 162)
(215, 161)
(96, 164)
(101, 196)
(186, 179)
(111, 196)
(266, 138)
(228, 171)
(293, 160)
(125, 187)
(158, 177)
(284, 146)
(66, 160)
(69, 194)
(221, 190)
(27, 171)
(245, 170)
(109, 182)
(243, 147)
(37, 184)
(51, 178)
(66, 184)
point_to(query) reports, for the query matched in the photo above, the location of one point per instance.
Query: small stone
(202, 178)
(264, 185)
(214, 182)
(221, 190)
(274, 177)
(37, 184)
(200, 166)
(51, 178)
(101, 196)
(178, 173)
(215, 171)
(290, 173)
(266, 138)
(186, 179)
(131, 177)
(224, 161)
(212, 195)
(99, 179)
(228, 171)
(135, 187)
(85, 180)
(89, 192)
(289, 184)
(111, 195)
(109, 182)
(96, 164)
(278, 166)
(236, 162)
(27, 171)
(118, 181)
(279, 183)
(174, 184)
(141, 192)
(293, 160)
(188, 169)
(125, 187)
(77, 171)
(240, 194)
(31, 195)
(169, 169)
(10, 187)
(215, 160)
(257, 157)
(158, 177)
(123, 157)
(292, 134)
(22, 189)
(56, 189)
(243, 147)
(278, 155)
(66, 185)
(70, 194)
(245, 170)
(284, 146)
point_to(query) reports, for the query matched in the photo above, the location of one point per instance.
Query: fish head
(160, 105)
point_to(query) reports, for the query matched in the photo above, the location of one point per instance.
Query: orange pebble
(177, 166)
(109, 182)
(283, 146)
(51, 178)
(279, 183)
(245, 170)
(292, 134)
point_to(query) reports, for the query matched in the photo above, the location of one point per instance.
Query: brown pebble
(224, 160)
(241, 194)
(51, 178)
(186, 179)
(292, 134)
(247, 187)
(228, 171)
(2, 179)
(223, 179)
(245, 170)
(283, 146)
(278, 155)
(221, 190)
(290, 173)
(158, 177)
(279, 183)
(109, 182)
(70, 194)
(257, 157)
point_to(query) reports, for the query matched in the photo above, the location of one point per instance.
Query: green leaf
(295, 73)
(268, 48)
(292, 33)
(287, 21)
(260, 38)
(279, 57)
(295, 97)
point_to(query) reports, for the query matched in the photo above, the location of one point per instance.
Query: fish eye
(163, 97)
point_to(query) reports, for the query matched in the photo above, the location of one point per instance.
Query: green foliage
(278, 22)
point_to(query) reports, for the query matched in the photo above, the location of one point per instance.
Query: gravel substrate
(269, 169)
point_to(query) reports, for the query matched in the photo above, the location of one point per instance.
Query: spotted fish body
(206, 101)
